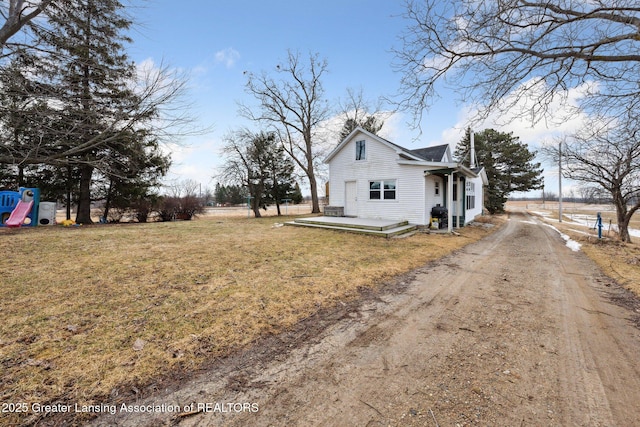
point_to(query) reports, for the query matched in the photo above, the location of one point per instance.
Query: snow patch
(540, 213)
(571, 244)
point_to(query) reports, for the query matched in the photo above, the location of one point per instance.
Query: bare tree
(183, 188)
(606, 153)
(16, 15)
(295, 107)
(496, 52)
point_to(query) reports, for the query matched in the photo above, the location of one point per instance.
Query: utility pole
(560, 181)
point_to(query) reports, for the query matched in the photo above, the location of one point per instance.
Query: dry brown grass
(87, 311)
(620, 261)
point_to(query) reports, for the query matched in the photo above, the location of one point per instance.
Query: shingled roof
(431, 154)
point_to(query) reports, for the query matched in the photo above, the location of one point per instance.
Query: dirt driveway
(514, 330)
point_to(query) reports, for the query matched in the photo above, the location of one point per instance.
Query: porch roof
(457, 168)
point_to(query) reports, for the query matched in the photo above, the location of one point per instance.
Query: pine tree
(370, 124)
(258, 162)
(280, 169)
(508, 163)
(91, 79)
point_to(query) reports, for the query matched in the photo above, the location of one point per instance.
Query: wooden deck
(375, 227)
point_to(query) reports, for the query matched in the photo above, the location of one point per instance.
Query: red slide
(19, 214)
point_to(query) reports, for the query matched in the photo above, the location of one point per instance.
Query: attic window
(360, 150)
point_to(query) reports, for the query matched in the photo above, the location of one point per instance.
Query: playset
(23, 208)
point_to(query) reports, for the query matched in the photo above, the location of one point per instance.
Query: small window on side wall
(437, 192)
(360, 150)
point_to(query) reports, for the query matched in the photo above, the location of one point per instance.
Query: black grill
(442, 214)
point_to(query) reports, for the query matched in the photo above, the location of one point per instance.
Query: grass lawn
(89, 311)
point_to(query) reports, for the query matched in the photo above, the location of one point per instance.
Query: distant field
(232, 211)
(576, 211)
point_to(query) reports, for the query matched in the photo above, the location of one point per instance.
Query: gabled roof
(434, 157)
(429, 154)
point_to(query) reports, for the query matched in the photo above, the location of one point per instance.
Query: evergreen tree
(90, 78)
(296, 194)
(76, 110)
(134, 166)
(508, 163)
(280, 169)
(219, 194)
(370, 124)
(258, 163)
(229, 194)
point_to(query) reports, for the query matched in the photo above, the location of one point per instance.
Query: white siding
(415, 193)
(380, 164)
(433, 199)
(472, 213)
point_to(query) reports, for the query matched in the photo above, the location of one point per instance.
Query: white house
(370, 177)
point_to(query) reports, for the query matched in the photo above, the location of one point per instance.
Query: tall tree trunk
(623, 226)
(313, 185)
(107, 203)
(311, 173)
(315, 202)
(255, 194)
(20, 176)
(622, 216)
(255, 206)
(69, 189)
(276, 193)
(83, 215)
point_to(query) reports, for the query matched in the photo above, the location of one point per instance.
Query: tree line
(81, 121)
(78, 118)
(76, 113)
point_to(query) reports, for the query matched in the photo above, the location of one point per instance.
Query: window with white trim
(470, 191)
(361, 153)
(382, 190)
(437, 191)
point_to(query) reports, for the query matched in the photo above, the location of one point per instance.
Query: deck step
(360, 223)
(380, 228)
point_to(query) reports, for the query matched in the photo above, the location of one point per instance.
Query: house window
(471, 195)
(360, 150)
(382, 190)
(437, 192)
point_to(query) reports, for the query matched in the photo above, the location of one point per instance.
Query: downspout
(450, 202)
(458, 201)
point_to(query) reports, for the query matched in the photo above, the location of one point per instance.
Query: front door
(350, 199)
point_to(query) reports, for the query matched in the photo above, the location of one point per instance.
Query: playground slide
(19, 214)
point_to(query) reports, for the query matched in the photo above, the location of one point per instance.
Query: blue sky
(216, 42)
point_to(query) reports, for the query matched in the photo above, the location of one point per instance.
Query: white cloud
(562, 117)
(228, 57)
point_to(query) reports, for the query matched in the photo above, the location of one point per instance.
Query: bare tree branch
(488, 49)
(17, 15)
(607, 153)
(294, 107)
